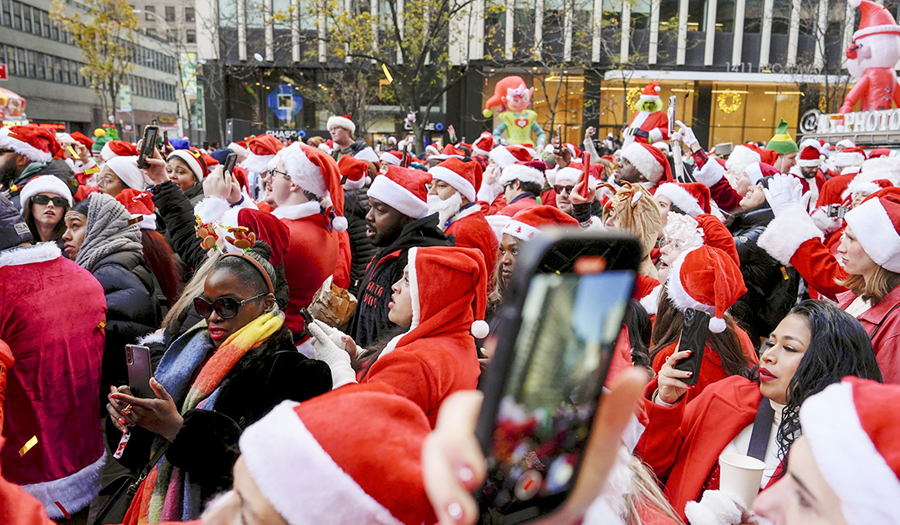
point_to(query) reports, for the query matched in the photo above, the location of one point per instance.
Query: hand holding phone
(230, 161)
(147, 145)
(693, 339)
(137, 360)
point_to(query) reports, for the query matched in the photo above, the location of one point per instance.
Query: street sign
(3, 73)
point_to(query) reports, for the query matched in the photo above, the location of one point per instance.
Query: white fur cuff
(785, 234)
(715, 508)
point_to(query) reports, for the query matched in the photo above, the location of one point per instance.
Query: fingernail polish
(465, 474)
(455, 511)
(122, 421)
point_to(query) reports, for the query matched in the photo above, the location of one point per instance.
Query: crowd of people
(317, 320)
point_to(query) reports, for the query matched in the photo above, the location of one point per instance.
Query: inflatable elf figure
(513, 97)
(650, 124)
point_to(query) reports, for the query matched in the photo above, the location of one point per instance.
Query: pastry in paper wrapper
(332, 305)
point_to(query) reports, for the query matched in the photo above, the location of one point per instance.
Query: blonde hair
(882, 283)
(645, 493)
(193, 289)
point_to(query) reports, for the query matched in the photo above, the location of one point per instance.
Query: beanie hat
(342, 121)
(852, 427)
(746, 154)
(706, 279)
(13, 230)
(128, 172)
(692, 198)
(140, 206)
(82, 138)
(874, 19)
(356, 171)
(402, 189)
(38, 144)
(782, 142)
(810, 157)
(522, 173)
(528, 222)
(484, 144)
(849, 156)
(508, 155)
(757, 171)
(118, 148)
(180, 143)
(220, 155)
(464, 176)
(650, 92)
(390, 157)
(649, 161)
(262, 149)
(716, 235)
(314, 171)
(368, 469)
(45, 184)
(194, 161)
(876, 224)
(240, 149)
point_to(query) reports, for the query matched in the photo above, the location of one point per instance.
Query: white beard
(444, 208)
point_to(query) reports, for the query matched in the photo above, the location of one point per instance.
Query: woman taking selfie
(45, 201)
(245, 356)
(816, 345)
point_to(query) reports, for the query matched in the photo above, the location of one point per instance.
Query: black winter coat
(177, 212)
(356, 206)
(206, 447)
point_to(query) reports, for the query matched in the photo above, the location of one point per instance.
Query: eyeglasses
(563, 189)
(272, 173)
(6, 150)
(508, 184)
(226, 307)
(59, 202)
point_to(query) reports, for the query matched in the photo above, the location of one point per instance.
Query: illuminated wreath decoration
(634, 94)
(722, 100)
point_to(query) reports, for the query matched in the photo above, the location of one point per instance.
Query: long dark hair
(58, 230)
(637, 322)
(838, 347)
(667, 330)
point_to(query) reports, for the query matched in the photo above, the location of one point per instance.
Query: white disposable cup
(740, 477)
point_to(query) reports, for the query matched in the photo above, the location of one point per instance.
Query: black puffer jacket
(356, 206)
(132, 311)
(772, 289)
(177, 212)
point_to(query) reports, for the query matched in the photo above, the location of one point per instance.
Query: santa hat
(64, 138)
(867, 187)
(692, 198)
(126, 169)
(650, 92)
(45, 184)
(262, 149)
(402, 189)
(209, 159)
(759, 170)
(528, 222)
(875, 223)
(484, 144)
(140, 205)
(194, 161)
(327, 146)
(849, 156)
(368, 469)
(746, 154)
(508, 155)
(852, 429)
(268, 228)
(452, 151)
(82, 138)
(649, 161)
(845, 143)
(239, 148)
(706, 279)
(884, 169)
(810, 156)
(391, 157)
(874, 19)
(342, 121)
(879, 152)
(521, 172)
(431, 150)
(497, 223)
(356, 171)
(118, 148)
(312, 170)
(367, 154)
(716, 235)
(38, 144)
(464, 176)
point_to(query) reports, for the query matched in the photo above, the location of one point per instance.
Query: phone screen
(147, 145)
(569, 327)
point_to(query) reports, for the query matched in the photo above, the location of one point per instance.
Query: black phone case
(147, 144)
(230, 162)
(693, 338)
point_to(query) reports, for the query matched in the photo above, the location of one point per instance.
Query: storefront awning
(12, 106)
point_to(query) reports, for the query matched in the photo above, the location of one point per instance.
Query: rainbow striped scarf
(167, 494)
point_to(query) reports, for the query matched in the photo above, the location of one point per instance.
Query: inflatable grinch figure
(651, 123)
(102, 136)
(871, 58)
(513, 97)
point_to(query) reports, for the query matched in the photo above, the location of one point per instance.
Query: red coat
(52, 318)
(682, 443)
(473, 231)
(493, 208)
(522, 204)
(833, 189)
(887, 341)
(655, 124)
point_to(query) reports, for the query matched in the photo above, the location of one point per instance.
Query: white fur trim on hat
(786, 232)
(682, 300)
(680, 197)
(459, 183)
(572, 175)
(303, 172)
(107, 153)
(367, 154)
(23, 148)
(877, 233)
(520, 230)
(38, 253)
(342, 122)
(185, 156)
(861, 186)
(146, 222)
(848, 460)
(498, 223)
(240, 150)
(45, 184)
(273, 448)
(650, 302)
(643, 161)
(398, 197)
(844, 159)
(390, 159)
(414, 290)
(521, 173)
(256, 163)
(740, 158)
(126, 169)
(502, 157)
(881, 168)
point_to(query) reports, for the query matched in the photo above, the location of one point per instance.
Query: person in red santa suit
(643, 164)
(849, 161)
(651, 123)
(864, 277)
(814, 346)
(809, 163)
(451, 195)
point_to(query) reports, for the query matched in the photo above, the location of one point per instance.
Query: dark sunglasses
(226, 307)
(563, 189)
(59, 202)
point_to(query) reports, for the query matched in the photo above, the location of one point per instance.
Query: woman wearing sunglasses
(45, 201)
(221, 376)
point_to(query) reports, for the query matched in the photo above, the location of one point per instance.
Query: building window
(725, 16)
(149, 12)
(190, 36)
(26, 18)
(188, 14)
(170, 13)
(17, 15)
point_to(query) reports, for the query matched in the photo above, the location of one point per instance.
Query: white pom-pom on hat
(340, 223)
(480, 329)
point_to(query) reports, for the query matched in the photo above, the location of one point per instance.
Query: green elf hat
(782, 141)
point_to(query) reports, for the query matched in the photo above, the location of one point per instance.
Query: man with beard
(454, 184)
(25, 153)
(398, 220)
